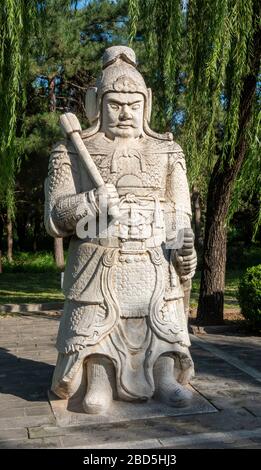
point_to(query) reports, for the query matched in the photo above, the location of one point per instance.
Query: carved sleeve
(178, 189)
(178, 194)
(65, 204)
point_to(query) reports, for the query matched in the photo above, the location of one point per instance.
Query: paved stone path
(228, 369)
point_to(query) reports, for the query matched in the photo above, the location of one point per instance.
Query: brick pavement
(228, 374)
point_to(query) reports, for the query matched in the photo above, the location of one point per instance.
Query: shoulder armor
(62, 153)
(99, 145)
(176, 155)
(63, 160)
(157, 146)
(64, 146)
(176, 148)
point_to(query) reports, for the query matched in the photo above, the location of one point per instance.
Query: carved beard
(125, 153)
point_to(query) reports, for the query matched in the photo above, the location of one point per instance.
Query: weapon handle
(72, 128)
(87, 160)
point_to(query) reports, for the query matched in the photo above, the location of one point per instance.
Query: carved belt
(128, 245)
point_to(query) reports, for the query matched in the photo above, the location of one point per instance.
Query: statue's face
(122, 114)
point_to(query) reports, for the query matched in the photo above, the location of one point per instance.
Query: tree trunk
(211, 298)
(197, 216)
(58, 253)
(9, 229)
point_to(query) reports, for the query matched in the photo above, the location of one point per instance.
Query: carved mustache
(123, 124)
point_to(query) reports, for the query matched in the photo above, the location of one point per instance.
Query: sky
(83, 3)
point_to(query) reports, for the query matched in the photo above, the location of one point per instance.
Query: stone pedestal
(71, 413)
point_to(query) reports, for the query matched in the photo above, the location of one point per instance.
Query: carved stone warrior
(123, 333)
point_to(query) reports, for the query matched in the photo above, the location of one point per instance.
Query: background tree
(14, 50)
(194, 55)
(56, 68)
(230, 71)
(222, 43)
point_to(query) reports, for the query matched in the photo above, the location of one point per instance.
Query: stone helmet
(120, 75)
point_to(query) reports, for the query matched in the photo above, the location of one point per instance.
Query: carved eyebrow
(127, 102)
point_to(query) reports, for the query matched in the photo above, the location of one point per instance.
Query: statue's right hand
(107, 197)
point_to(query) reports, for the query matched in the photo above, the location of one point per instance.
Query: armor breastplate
(139, 170)
(139, 175)
(141, 219)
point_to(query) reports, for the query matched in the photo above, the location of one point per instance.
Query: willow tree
(21, 26)
(18, 20)
(239, 49)
(17, 23)
(222, 43)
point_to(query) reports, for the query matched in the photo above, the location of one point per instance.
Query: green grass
(24, 262)
(30, 278)
(232, 280)
(30, 288)
(45, 287)
(34, 278)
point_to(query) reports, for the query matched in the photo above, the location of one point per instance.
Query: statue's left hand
(185, 259)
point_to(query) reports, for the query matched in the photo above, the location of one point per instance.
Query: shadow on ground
(24, 378)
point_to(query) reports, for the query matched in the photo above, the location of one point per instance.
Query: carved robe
(124, 298)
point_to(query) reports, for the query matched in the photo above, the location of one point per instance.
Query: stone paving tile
(13, 434)
(27, 356)
(18, 377)
(224, 383)
(30, 332)
(146, 444)
(41, 410)
(234, 394)
(152, 429)
(134, 429)
(202, 374)
(12, 413)
(256, 440)
(213, 440)
(254, 409)
(9, 344)
(54, 443)
(12, 401)
(245, 350)
(219, 445)
(21, 367)
(29, 350)
(230, 436)
(225, 403)
(225, 421)
(25, 421)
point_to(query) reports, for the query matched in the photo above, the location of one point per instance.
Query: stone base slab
(70, 412)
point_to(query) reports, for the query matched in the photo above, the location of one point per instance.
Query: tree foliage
(162, 31)
(222, 44)
(61, 63)
(21, 29)
(207, 47)
(249, 295)
(193, 60)
(14, 15)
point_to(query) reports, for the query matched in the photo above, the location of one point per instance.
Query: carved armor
(129, 274)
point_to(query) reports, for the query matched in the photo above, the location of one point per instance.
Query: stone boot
(167, 389)
(100, 379)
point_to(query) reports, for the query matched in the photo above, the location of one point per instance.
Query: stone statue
(123, 333)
